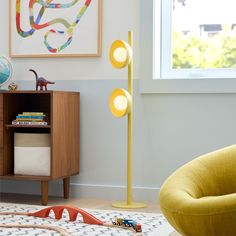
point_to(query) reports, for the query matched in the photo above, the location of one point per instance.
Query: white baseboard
(108, 192)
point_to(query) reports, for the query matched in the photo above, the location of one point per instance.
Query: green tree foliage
(217, 51)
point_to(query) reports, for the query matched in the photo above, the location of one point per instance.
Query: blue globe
(5, 70)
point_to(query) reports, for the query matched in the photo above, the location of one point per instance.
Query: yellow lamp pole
(120, 59)
(130, 126)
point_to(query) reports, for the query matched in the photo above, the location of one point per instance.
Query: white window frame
(217, 81)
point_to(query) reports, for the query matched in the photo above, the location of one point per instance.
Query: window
(188, 40)
(200, 38)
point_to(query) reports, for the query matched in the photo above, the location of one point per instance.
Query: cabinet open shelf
(63, 117)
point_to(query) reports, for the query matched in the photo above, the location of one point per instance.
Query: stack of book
(30, 118)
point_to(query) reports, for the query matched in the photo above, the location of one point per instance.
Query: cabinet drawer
(1, 161)
(1, 107)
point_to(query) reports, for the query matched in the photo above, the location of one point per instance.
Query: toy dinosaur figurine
(40, 81)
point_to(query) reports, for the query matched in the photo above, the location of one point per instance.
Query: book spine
(24, 119)
(32, 114)
(14, 122)
(30, 117)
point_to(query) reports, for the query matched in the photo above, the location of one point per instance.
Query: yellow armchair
(200, 197)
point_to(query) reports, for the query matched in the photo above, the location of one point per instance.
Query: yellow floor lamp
(121, 105)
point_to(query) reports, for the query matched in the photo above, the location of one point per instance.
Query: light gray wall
(169, 129)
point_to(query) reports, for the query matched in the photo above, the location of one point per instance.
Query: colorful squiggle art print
(55, 28)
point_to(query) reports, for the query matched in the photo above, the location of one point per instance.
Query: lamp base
(132, 205)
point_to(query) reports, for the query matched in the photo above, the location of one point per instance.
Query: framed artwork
(55, 28)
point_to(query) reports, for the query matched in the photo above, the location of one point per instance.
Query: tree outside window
(203, 34)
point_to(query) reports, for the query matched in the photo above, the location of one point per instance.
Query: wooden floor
(78, 202)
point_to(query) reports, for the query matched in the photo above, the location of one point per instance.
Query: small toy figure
(12, 86)
(40, 81)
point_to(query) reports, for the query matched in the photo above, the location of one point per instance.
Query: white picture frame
(60, 28)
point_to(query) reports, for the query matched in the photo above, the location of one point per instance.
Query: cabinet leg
(44, 192)
(66, 187)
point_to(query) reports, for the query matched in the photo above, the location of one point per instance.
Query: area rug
(152, 224)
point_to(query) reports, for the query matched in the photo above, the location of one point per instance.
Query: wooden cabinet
(63, 109)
